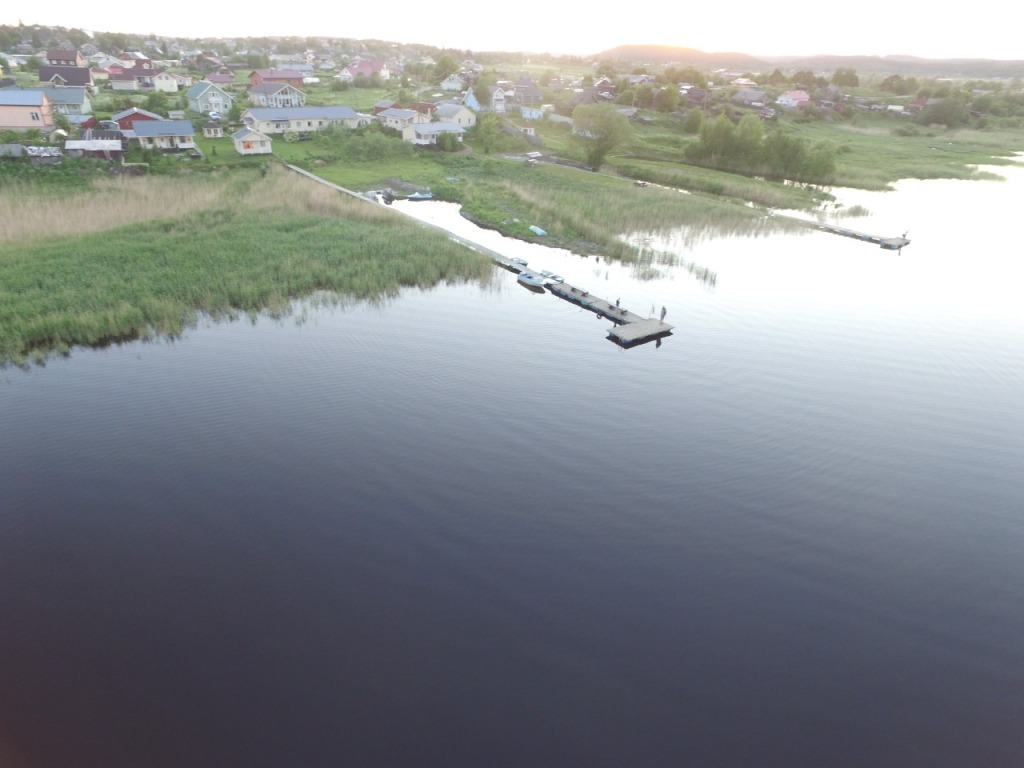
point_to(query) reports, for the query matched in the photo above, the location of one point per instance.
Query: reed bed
(591, 213)
(251, 245)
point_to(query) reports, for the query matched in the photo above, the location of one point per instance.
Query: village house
(165, 135)
(205, 97)
(459, 114)
(250, 142)
(268, 120)
(73, 102)
(366, 68)
(127, 118)
(290, 77)
(63, 57)
(794, 100)
(276, 95)
(400, 118)
(428, 133)
(750, 97)
(454, 82)
(79, 76)
(143, 80)
(23, 110)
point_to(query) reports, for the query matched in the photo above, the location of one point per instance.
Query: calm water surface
(463, 528)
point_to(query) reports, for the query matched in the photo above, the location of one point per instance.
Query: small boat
(532, 281)
(537, 230)
(552, 276)
(420, 196)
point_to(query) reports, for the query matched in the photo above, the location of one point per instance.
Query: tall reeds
(221, 246)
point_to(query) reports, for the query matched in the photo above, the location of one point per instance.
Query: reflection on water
(458, 528)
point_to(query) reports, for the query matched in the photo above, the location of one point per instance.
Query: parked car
(214, 115)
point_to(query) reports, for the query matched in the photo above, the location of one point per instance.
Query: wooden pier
(629, 329)
(888, 243)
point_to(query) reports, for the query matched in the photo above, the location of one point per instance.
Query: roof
(135, 111)
(399, 113)
(245, 133)
(426, 129)
(303, 113)
(16, 97)
(279, 74)
(449, 110)
(153, 128)
(68, 94)
(94, 145)
(70, 75)
(202, 87)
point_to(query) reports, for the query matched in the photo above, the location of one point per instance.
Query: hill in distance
(901, 65)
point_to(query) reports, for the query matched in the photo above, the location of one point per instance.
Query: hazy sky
(873, 27)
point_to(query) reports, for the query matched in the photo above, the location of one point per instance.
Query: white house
(428, 133)
(276, 95)
(399, 118)
(459, 114)
(269, 120)
(250, 142)
(794, 100)
(454, 82)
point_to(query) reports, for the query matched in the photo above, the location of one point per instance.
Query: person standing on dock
(616, 302)
(663, 310)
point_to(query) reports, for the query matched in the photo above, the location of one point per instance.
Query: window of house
(35, 115)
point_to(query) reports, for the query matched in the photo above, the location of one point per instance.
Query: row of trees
(748, 148)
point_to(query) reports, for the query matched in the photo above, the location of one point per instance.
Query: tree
(445, 66)
(488, 131)
(845, 77)
(600, 129)
(667, 99)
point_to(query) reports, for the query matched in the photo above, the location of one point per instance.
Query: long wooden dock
(629, 329)
(889, 243)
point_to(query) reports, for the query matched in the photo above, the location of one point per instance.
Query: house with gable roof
(366, 68)
(71, 101)
(205, 97)
(454, 82)
(165, 135)
(398, 118)
(426, 134)
(459, 114)
(23, 110)
(292, 77)
(794, 100)
(250, 142)
(127, 118)
(79, 76)
(269, 121)
(64, 57)
(276, 95)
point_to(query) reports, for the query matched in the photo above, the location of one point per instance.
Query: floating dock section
(629, 329)
(889, 243)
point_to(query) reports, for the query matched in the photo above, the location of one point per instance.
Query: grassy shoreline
(87, 260)
(264, 242)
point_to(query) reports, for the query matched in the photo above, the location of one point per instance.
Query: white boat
(531, 281)
(552, 276)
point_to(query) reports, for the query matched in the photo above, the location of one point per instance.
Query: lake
(462, 528)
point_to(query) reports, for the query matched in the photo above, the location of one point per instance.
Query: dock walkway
(629, 329)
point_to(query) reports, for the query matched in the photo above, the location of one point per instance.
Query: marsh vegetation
(143, 257)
